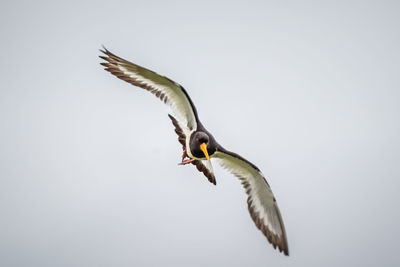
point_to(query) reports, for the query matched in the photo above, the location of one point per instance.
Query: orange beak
(203, 148)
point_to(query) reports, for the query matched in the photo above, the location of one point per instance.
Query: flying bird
(199, 146)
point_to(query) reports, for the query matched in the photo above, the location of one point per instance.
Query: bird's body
(199, 146)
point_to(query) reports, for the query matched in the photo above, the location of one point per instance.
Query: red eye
(197, 139)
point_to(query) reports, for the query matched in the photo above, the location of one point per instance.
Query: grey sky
(306, 90)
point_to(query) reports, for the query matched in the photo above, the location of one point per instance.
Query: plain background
(306, 90)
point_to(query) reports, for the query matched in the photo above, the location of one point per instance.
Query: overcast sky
(309, 91)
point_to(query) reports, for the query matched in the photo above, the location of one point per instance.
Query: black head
(200, 137)
(200, 145)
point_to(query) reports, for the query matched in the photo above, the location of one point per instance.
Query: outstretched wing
(202, 165)
(173, 94)
(261, 202)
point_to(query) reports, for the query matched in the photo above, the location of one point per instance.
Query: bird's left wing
(205, 167)
(261, 202)
(173, 94)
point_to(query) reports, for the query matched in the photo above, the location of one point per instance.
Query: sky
(306, 90)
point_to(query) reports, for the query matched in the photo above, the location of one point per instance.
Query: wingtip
(284, 250)
(282, 247)
(103, 49)
(104, 55)
(107, 52)
(213, 180)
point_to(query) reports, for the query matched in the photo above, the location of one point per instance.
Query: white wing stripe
(176, 105)
(167, 90)
(263, 208)
(261, 202)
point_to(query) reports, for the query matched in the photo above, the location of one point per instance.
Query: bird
(199, 145)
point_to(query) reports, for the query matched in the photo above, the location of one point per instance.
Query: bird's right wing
(205, 167)
(261, 202)
(173, 94)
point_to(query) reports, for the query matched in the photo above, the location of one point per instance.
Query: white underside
(260, 193)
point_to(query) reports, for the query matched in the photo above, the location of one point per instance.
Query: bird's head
(199, 144)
